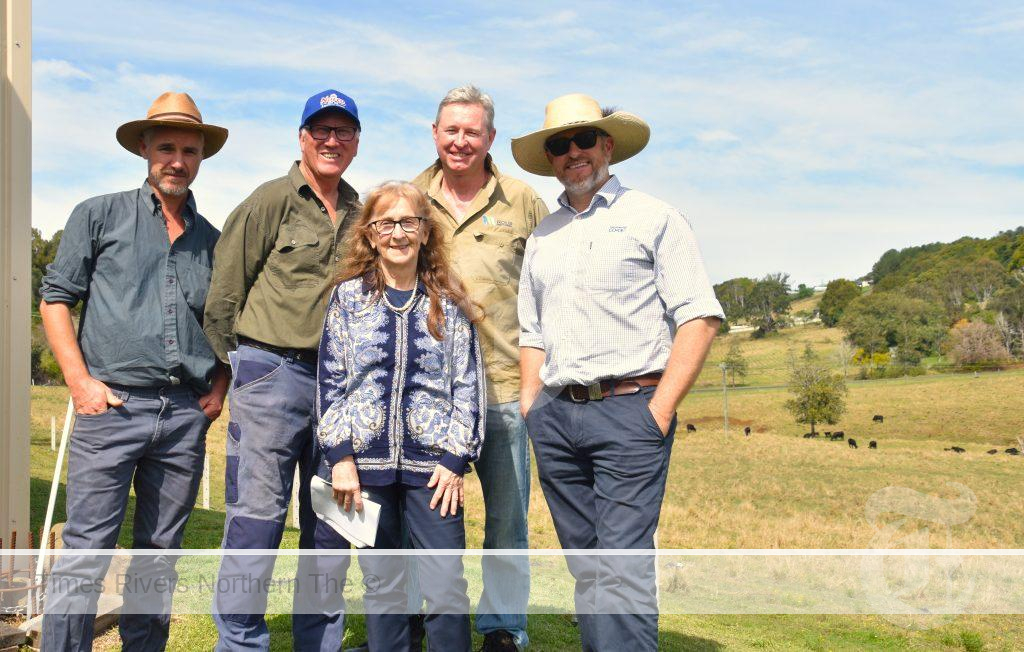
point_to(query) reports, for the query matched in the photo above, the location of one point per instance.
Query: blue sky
(806, 138)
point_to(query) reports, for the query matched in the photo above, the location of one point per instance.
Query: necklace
(408, 304)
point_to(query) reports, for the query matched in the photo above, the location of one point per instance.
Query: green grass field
(773, 489)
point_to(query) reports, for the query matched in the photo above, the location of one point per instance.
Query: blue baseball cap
(330, 100)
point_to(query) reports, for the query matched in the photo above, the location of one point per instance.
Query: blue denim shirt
(388, 393)
(143, 297)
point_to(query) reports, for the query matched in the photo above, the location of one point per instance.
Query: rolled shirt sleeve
(334, 434)
(469, 397)
(680, 277)
(67, 277)
(529, 312)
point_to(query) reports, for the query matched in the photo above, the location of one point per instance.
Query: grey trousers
(602, 468)
(155, 442)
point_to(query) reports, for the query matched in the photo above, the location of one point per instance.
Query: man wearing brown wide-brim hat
(145, 383)
(617, 316)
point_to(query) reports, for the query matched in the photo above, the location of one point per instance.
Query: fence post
(725, 397)
(53, 433)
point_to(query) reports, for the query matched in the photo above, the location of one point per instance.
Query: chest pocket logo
(296, 257)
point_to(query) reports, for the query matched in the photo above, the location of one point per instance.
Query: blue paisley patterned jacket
(394, 397)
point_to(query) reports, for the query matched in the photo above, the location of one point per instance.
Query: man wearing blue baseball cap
(275, 267)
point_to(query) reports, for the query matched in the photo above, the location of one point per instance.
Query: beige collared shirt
(487, 247)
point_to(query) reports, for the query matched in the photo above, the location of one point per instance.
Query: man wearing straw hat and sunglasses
(144, 380)
(617, 317)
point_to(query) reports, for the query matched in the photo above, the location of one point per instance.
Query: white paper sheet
(360, 528)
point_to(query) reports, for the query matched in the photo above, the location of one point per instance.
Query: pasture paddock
(772, 489)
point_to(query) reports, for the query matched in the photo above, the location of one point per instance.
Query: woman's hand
(345, 482)
(449, 490)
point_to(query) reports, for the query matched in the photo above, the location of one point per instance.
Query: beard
(588, 184)
(168, 186)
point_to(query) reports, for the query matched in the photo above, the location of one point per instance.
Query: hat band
(180, 116)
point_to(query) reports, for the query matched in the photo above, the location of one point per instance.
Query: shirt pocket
(194, 281)
(494, 257)
(616, 263)
(295, 260)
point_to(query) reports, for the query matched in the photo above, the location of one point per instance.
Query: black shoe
(417, 632)
(499, 641)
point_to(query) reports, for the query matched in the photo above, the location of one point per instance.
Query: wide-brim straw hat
(573, 111)
(178, 111)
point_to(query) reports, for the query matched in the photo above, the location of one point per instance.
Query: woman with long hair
(401, 404)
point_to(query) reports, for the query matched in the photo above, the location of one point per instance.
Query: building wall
(15, 274)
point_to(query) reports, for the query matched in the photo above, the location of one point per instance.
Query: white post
(53, 433)
(295, 498)
(57, 468)
(206, 483)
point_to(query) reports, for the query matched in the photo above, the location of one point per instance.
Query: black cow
(1012, 451)
(852, 443)
(837, 436)
(956, 449)
(691, 428)
(993, 451)
(872, 444)
(746, 431)
(878, 418)
(839, 433)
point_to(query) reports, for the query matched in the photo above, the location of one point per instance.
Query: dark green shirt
(277, 262)
(142, 296)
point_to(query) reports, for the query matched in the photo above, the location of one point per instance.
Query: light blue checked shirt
(603, 291)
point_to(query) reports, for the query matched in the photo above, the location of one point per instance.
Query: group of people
(388, 346)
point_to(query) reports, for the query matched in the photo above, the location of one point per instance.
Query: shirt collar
(609, 192)
(346, 193)
(152, 203)
(436, 174)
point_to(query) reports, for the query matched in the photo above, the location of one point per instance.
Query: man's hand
(92, 396)
(530, 386)
(213, 402)
(345, 482)
(449, 490)
(661, 416)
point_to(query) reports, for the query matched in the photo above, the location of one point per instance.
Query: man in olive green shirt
(487, 218)
(276, 263)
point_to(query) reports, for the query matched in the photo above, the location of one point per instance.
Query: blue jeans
(159, 437)
(504, 469)
(271, 430)
(602, 467)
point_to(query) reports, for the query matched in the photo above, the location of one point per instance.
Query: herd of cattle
(839, 435)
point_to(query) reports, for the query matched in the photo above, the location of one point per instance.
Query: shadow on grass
(204, 530)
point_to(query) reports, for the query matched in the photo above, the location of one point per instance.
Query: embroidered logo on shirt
(490, 221)
(332, 100)
(616, 229)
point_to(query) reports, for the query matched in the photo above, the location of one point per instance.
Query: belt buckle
(594, 392)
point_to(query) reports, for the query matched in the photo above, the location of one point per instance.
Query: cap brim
(348, 114)
(129, 134)
(629, 131)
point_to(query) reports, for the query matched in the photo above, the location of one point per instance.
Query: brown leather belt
(606, 388)
(309, 356)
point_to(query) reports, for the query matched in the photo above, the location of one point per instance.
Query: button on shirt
(487, 246)
(277, 262)
(143, 296)
(604, 290)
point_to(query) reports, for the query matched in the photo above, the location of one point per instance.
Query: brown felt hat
(178, 111)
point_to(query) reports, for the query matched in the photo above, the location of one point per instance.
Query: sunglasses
(559, 146)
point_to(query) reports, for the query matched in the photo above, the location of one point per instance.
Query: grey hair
(468, 94)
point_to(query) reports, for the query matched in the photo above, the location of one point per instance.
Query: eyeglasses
(560, 146)
(387, 227)
(343, 134)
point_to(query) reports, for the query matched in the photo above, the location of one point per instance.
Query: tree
(975, 345)
(844, 354)
(1009, 303)
(732, 294)
(735, 363)
(768, 303)
(819, 395)
(880, 321)
(802, 291)
(838, 294)
(43, 253)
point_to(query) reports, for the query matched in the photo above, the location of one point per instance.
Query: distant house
(865, 284)
(820, 288)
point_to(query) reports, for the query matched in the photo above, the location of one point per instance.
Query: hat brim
(130, 133)
(629, 132)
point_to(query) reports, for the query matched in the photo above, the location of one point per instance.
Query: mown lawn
(773, 489)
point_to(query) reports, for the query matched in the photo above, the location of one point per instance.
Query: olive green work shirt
(275, 265)
(487, 247)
